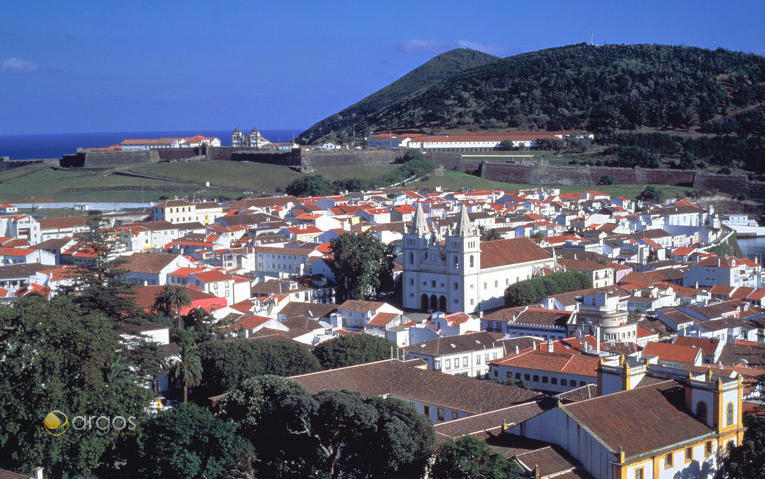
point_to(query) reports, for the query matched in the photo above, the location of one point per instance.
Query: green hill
(435, 70)
(601, 88)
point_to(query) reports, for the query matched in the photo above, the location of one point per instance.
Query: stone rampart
(369, 157)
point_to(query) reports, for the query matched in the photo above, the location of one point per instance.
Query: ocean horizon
(54, 145)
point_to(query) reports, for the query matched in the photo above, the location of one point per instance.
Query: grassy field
(453, 180)
(227, 180)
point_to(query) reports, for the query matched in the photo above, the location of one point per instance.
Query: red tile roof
(672, 352)
(510, 251)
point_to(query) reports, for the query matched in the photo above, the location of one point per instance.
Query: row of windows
(545, 379)
(439, 413)
(465, 361)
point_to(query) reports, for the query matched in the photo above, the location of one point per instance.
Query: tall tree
(97, 284)
(471, 458)
(362, 265)
(353, 349)
(55, 356)
(188, 370)
(248, 403)
(171, 299)
(227, 363)
(188, 442)
(328, 435)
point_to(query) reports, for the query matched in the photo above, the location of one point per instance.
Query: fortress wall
(351, 157)
(454, 161)
(227, 153)
(170, 154)
(583, 175)
(105, 159)
(7, 164)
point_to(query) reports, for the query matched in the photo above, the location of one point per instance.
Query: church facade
(459, 272)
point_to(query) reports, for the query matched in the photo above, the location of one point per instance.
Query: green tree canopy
(171, 299)
(534, 290)
(471, 458)
(651, 194)
(57, 357)
(310, 185)
(349, 350)
(746, 460)
(97, 284)
(329, 435)
(186, 442)
(362, 266)
(246, 404)
(226, 364)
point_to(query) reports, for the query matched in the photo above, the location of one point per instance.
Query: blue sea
(22, 147)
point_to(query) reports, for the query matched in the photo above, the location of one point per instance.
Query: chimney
(516, 349)
(549, 345)
(38, 473)
(597, 339)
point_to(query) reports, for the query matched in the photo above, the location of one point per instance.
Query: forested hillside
(600, 88)
(433, 71)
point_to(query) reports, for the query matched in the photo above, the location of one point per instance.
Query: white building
(468, 354)
(463, 273)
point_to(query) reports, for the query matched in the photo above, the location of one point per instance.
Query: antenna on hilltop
(591, 42)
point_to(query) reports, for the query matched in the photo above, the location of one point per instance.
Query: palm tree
(189, 369)
(172, 298)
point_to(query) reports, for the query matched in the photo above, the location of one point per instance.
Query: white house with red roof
(212, 281)
(305, 233)
(359, 315)
(21, 227)
(375, 215)
(26, 255)
(725, 271)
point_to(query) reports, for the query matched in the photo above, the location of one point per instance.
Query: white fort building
(461, 273)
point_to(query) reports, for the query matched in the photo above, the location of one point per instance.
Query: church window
(639, 473)
(411, 281)
(472, 262)
(411, 258)
(456, 285)
(433, 283)
(688, 454)
(729, 414)
(708, 448)
(701, 411)
(668, 460)
(564, 382)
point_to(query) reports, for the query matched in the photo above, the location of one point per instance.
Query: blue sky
(105, 65)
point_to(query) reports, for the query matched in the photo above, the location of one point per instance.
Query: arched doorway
(433, 302)
(442, 303)
(424, 302)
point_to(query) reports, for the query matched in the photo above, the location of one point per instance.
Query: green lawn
(227, 180)
(453, 180)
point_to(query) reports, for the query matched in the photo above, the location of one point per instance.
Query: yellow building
(181, 211)
(651, 422)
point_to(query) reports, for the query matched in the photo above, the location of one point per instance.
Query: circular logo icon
(56, 423)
